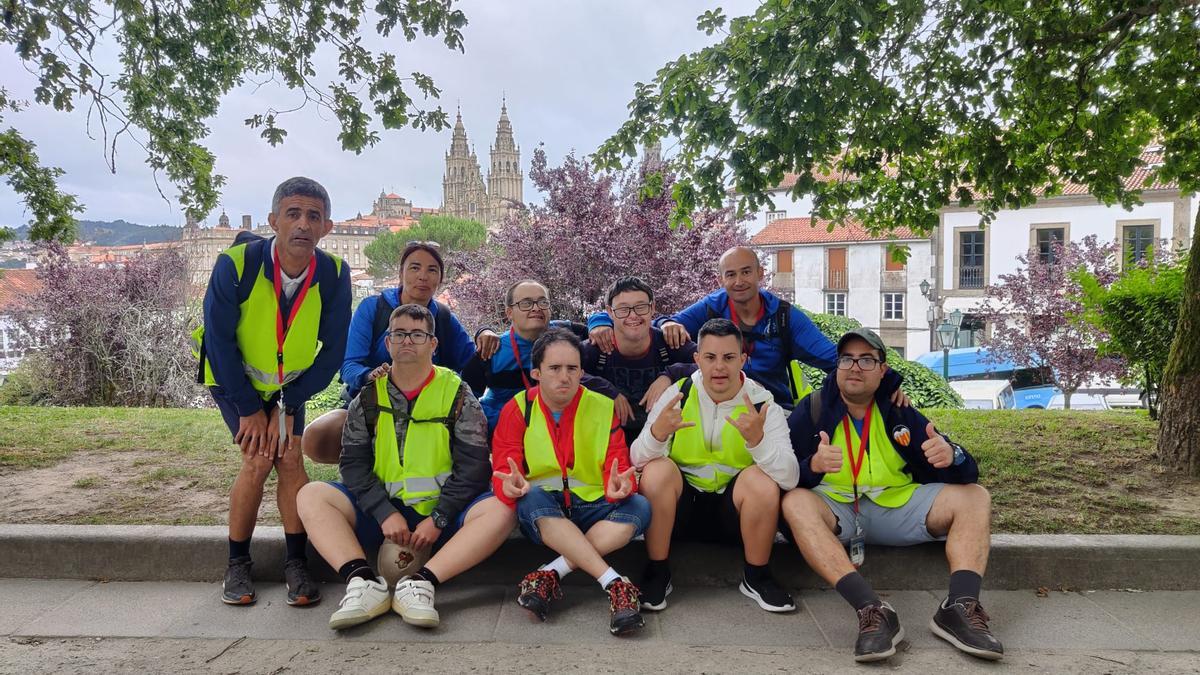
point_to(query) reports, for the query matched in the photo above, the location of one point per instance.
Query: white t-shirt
(290, 285)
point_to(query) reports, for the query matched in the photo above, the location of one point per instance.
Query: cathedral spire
(458, 142)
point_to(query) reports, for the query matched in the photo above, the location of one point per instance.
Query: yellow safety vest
(593, 426)
(256, 330)
(417, 479)
(708, 469)
(797, 383)
(881, 479)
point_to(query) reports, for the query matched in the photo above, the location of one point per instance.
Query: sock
(296, 543)
(755, 572)
(610, 575)
(658, 567)
(427, 574)
(856, 591)
(357, 568)
(559, 565)
(239, 549)
(964, 584)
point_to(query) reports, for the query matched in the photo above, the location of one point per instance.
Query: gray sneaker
(238, 589)
(300, 586)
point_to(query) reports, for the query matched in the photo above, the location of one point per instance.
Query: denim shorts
(369, 532)
(634, 509)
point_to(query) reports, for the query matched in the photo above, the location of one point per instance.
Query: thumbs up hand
(512, 483)
(937, 449)
(828, 458)
(620, 484)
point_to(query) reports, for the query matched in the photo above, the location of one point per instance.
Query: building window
(775, 215)
(891, 265)
(970, 333)
(472, 207)
(893, 306)
(835, 303)
(1048, 240)
(1136, 242)
(970, 261)
(899, 351)
(836, 262)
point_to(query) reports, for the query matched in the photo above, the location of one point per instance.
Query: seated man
(714, 456)
(916, 486)
(560, 457)
(415, 471)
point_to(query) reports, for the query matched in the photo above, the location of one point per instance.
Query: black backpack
(664, 356)
(783, 327)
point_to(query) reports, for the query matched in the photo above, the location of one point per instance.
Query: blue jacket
(222, 310)
(805, 437)
(365, 353)
(766, 364)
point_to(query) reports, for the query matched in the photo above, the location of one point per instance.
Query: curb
(1017, 561)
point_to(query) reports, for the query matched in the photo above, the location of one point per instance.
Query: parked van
(985, 394)
(1031, 387)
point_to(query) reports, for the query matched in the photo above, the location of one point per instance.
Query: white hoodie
(774, 455)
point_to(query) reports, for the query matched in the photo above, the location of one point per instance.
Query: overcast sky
(567, 67)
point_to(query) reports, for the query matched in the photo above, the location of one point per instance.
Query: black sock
(239, 549)
(964, 584)
(357, 568)
(856, 591)
(662, 567)
(296, 543)
(425, 574)
(755, 572)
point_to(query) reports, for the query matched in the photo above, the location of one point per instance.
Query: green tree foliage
(926, 388)
(176, 60)
(891, 111)
(453, 234)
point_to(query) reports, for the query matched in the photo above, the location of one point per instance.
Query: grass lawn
(1048, 471)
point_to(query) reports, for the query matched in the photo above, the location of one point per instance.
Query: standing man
(875, 473)
(274, 333)
(415, 470)
(560, 457)
(640, 355)
(714, 456)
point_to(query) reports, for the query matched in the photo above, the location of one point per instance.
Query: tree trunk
(1067, 398)
(1179, 394)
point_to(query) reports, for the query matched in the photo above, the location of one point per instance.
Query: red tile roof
(18, 288)
(816, 231)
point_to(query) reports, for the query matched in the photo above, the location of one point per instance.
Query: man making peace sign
(714, 455)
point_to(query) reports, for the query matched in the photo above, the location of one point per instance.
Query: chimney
(246, 224)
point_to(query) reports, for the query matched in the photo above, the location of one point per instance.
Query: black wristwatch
(440, 521)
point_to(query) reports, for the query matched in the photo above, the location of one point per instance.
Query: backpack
(368, 399)
(686, 390)
(783, 326)
(664, 356)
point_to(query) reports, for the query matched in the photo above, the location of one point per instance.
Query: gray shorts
(901, 526)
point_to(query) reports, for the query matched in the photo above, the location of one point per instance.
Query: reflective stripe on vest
(593, 425)
(417, 478)
(708, 469)
(882, 478)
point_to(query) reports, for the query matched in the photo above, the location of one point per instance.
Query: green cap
(867, 335)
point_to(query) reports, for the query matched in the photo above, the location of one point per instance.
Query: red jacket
(509, 441)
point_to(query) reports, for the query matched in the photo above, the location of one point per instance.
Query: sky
(566, 67)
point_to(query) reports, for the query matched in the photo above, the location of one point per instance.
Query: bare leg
(565, 538)
(290, 470)
(246, 496)
(328, 517)
(322, 439)
(813, 525)
(756, 498)
(963, 513)
(487, 525)
(607, 536)
(661, 483)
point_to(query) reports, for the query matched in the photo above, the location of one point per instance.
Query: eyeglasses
(430, 244)
(527, 304)
(864, 362)
(641, 309)
(417, 337)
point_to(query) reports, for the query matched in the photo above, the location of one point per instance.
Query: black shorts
(707, 516)
(232, 420)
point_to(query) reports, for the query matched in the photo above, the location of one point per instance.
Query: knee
(756, 485)
(659, 477)
(978, 496)
(257, 468)
(799, 507)
(309, 499)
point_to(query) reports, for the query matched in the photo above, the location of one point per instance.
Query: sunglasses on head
(430, 244)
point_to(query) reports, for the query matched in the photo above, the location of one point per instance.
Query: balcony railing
(970, 276)
(836, 280)
(784, 281)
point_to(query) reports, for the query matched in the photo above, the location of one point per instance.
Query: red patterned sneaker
(624, 602)
(538, 588)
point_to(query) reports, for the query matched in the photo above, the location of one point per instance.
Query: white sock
(610, 575)
(559, 565)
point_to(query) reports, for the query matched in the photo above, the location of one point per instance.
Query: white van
(985, 394)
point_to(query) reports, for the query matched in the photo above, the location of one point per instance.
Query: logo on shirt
(902, 435)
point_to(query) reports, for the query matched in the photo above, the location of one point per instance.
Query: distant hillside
(120, 233)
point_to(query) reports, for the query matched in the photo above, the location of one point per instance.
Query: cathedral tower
(505, 181)
(463, 192)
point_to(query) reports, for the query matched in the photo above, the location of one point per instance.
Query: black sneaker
(300, 586)
(879, 632)
(538, 588)
(238, 589)
(655, 587)
(964, 625)
(623, 603)
(768, 594)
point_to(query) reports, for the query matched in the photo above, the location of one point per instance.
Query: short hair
(552, 336)
(629, 284)
(508, 293)
(720, 328)
(412, 311)
(422, 246)
(300, 186)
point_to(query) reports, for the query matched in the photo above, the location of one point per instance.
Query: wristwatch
(440, 521)
(960, 455)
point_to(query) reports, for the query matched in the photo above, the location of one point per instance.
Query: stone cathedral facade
(465, 193)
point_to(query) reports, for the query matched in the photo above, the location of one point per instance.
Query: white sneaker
(414, 602)
(364, 600)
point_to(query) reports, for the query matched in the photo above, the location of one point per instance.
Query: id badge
(858, 545)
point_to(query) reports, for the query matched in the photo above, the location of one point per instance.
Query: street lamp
(956, 318)
(924, 286)
(947, 333)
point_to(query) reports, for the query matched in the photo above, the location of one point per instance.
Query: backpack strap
(664, 354)
(368, 400)
(256, 252)
(686, 390)
(441, 325)
(601, 361)
(814, 407)
(783, 324)
(528, 410)
(383, 312)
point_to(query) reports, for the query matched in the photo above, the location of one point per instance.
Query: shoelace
(870, 618)
(623, 595)
(542, 583)
(976, 616)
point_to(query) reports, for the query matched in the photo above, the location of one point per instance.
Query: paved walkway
(154, 626)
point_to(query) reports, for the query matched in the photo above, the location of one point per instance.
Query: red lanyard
(555, 429)
(282, 327)
(733, 316)
(512, 337)
(856, 465)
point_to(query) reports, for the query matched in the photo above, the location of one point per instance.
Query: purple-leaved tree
(1036, 315)
(593, 229)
